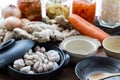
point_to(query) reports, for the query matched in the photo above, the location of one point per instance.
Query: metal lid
(12, 50)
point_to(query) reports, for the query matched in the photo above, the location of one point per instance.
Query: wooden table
(67, 74)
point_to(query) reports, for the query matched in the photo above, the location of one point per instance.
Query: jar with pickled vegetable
(110, 14)
(85, 8)
(30, 9)
(57, 7)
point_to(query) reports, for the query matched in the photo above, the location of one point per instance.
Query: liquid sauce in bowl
(98, 75)
(79, 47)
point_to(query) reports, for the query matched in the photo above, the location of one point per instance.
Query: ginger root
(2, 34)
(62, 21)
(23, 34)
(38, 26)
(44, 35)
(67, 33)
(8, 35)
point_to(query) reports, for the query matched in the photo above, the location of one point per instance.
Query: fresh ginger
(44, 35)
(38, 26)
(23, 34)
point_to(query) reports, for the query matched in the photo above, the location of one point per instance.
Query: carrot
(86, 28)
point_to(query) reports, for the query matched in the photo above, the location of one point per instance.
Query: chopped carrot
(86, 28)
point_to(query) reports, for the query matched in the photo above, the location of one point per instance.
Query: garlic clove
(25, 69)
(36, 65)
(42, 50)
(37, 48)
(18, 64)
(51, 65)
(28, 62)
(55, 65)
(31, 72)
(40, 69)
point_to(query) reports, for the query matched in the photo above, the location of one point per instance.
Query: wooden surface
(67, 73)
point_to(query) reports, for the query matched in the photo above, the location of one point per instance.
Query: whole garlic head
(53, 55)
(18, 64)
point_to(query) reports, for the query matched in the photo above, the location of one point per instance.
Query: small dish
(80, 47)
(111, 46)
(93, 65)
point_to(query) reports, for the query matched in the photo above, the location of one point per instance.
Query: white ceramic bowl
(111, 46)
(80, 47)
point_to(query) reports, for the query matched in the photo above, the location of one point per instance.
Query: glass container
(110, 14)
(31, 9)
(85, 8)
(55, 8)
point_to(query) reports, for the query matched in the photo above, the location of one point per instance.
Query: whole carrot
(86, 28)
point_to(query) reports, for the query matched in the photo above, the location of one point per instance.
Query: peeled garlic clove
(45, 67)
(30, 57)
(40, 64)
(35, 57)
(26, 69)
(42, 50)
(46, 61)
(55, 65)
(31, 72)
(30, 52)
(40, 55)
(40, 69)
(36, 65)
(26, 55)
(37, 48)
(50, 64)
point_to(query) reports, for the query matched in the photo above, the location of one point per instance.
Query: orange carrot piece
(86, 28)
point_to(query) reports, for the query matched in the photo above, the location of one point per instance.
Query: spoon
(101, 76)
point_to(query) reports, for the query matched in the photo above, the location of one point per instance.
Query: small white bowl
(111, 46)
(80, 47)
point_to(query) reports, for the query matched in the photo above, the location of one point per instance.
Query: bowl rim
(42, 73)
(84, 38)
(106, 48)
(93, 57)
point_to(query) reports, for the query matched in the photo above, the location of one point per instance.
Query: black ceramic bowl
(92, 65)
(64, 59)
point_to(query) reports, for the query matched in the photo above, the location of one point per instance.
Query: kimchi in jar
(30, 9)
(57, 7)
(85, 8)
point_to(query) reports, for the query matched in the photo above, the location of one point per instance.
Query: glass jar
(57, 7)
(110, 14)
(30, 9)
(85, 8)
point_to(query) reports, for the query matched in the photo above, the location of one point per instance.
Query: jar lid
(12, 50)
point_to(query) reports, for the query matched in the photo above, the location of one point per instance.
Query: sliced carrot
(86, 28)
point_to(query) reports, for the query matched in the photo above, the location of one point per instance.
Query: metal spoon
(102, 76)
